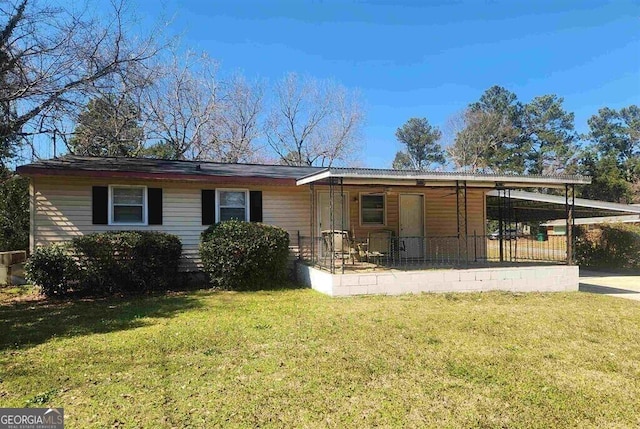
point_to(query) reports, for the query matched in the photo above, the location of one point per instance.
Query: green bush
(128, 261)
(240, 255)
(52, 269)
(608, 246)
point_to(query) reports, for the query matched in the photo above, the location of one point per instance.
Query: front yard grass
(296, 358)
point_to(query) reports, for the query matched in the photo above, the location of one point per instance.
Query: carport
(509, 206)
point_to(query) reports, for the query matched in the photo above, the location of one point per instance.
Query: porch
(375, 252)
(525, 264)
(389, 232)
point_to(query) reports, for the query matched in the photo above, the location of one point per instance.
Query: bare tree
(238, 120)
(477, 136)
(313, 122)
(180, 107)
(55, 59)
(109, 126)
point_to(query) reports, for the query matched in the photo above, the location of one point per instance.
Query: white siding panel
(62, 210)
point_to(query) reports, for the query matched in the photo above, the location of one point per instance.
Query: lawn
(295, 358)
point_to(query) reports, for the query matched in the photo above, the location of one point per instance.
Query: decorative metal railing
(441, 251)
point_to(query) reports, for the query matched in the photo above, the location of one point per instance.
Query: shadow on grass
(29, 323)
(586, 287)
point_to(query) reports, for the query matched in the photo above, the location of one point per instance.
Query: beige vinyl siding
(441, 212)
(63, 210)
(440, 209)
(440, 215)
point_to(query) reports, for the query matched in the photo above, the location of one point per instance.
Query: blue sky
(424, 58)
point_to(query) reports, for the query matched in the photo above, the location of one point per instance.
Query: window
(372, 209)
(232, 204)
(128, 205)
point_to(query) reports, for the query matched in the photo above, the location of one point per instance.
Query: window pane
(373, 216)
(232, 199)
(372, 201)
(127, 214)
(228, 214)
(128, 195)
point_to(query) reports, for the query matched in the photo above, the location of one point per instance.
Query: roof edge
(536, 180)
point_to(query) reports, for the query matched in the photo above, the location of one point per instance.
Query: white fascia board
(314, 178)
(580, 202)
(393, 179)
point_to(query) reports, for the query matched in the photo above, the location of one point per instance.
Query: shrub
(608, 246)
(127, 261)
(240, 255)
(53, 269)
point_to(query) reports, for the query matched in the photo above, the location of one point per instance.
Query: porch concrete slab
(426, 277)
(359, 290)
(497, 274)
(387, 279)
(512, 274)
(394, 289)
(368, 279)
(377, 289)
(350, 280)
(467, 275)
(489, 285)
(439, 287)
(451, 276)
(394, 282)
(470, 285)
(483, 275)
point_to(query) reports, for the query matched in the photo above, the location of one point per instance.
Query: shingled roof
(159, 169)
(85, 165)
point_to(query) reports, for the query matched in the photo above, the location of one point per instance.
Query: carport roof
(438, 178)
(532, 206)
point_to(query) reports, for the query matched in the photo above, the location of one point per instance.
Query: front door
(411, 225)
(340, 212)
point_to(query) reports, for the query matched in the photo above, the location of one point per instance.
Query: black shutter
(255, 206)
(100, 205)
(208, 206)
(154, 205)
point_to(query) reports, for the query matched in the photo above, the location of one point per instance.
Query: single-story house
(352, 230)
(558, 227)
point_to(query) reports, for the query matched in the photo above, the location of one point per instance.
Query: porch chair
(342, 245)
(378, 245)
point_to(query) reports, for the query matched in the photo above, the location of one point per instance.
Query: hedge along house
(354, 231)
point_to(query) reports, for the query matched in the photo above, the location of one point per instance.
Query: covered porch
(406, 231)
(367, 219)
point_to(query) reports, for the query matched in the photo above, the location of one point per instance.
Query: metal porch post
(466, 226)
(568, 208)
(500, 228)
(509, 221)
(312, 229)
(462, 221)
(332, 262)
(573, 223)
(342, 224)
(458, 216)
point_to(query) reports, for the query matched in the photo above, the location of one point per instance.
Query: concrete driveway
(612, 284)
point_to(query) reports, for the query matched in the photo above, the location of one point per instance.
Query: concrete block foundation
(542, 278)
